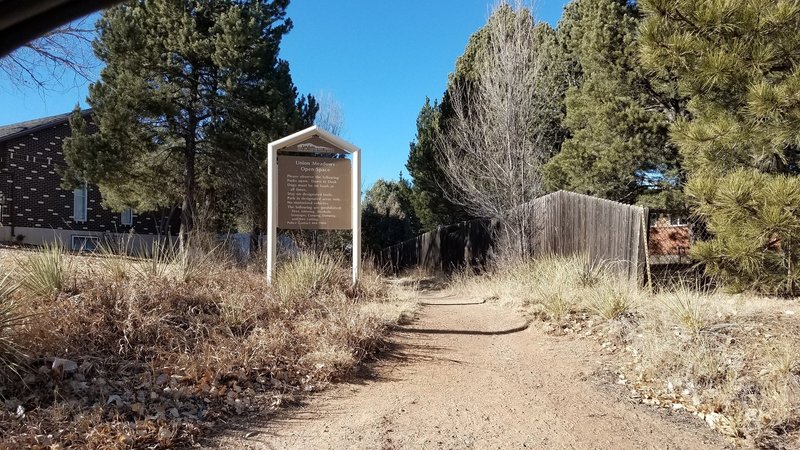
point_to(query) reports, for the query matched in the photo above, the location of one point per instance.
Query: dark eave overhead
(8, 132)
(22, 21)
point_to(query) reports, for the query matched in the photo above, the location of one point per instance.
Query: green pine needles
(738, 62)
(190, 96)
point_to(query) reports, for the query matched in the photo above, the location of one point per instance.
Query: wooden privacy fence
(444, 248)
(562, 223)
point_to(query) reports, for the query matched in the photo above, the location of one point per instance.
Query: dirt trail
(471, 375)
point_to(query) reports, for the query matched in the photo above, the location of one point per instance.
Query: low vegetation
(731, 360)
(110, 351)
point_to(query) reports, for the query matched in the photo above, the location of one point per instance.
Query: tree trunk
(189, 181)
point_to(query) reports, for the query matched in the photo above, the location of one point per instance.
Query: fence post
(646, 239)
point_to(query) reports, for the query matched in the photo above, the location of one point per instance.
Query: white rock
(712, 419)
(116, 399)
(64, 365)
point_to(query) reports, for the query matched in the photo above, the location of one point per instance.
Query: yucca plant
(11, 354)
(688, 306)
(155, 259)
(612, 298)
(113, 258)
(45, 272)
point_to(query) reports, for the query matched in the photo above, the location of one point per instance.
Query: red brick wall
(669, 240)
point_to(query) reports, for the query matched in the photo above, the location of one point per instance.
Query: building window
(677, 221)
(79, 204)
(126, 218)
(85, 243)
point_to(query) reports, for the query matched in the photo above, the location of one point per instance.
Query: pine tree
(738, 62)
(428, 196)
(189, 97)
(617, 119)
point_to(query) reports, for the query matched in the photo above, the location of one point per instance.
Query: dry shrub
(158, 353)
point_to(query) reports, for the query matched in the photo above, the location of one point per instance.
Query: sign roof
(298, 140)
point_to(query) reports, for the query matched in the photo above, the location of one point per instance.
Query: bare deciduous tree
(493, 147)
(51, 59)
(330, 116)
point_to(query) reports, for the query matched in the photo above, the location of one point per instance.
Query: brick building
(35, 209)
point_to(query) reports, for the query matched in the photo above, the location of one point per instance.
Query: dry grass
(553, 288)
(729, 359)
(732, 360)
(149, 352)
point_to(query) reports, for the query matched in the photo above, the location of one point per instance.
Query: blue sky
(378, 59)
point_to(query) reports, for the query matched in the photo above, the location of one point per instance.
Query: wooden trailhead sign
(313, 186)
(314, 193)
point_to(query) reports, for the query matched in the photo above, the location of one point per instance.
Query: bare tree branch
(60, 58)
(330, 116)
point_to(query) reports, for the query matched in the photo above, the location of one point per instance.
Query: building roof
(29, 126)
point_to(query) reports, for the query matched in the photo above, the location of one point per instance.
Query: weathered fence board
(562, 223)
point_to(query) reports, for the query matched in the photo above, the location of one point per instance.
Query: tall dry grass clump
(612, 298)
(688, 306)
(302, 277)
(145, 351)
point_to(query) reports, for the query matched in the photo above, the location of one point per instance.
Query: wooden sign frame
(315, 138)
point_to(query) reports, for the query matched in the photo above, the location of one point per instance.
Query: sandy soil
(471, 374)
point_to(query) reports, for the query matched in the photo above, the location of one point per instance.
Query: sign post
(312, 187)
